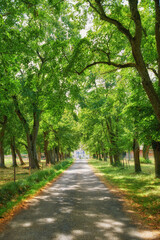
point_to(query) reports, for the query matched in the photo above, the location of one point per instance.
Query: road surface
(77, 206)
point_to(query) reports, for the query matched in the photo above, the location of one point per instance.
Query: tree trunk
(53, 156)
(39, 154)
(146, 151)
(13, 150)
(3, 128)
(156, 150)
(46, 148)
(31, 137)
(99, 156)
(146, 81)
(62, 155)
(32, 154)
(116, 159)
(20, 157)
(136, 156)
(57, 153)
(129, 155)
(2, 163)
(105, 156)
(111, 159)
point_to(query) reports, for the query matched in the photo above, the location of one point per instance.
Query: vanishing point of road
(77, 206)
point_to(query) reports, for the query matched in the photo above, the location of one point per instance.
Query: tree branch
(19, 114)
(157, 33)
(154, 71)
(126, 65)
(115, 22)
(23, 144)
(137, 20)
(41, 58)
(93, 7)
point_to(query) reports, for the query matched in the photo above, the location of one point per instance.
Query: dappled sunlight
(77, 232)
(63, 236)
(27, 224)
(46, 220)
(76, 207)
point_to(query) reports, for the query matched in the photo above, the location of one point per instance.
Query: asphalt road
(77, 206)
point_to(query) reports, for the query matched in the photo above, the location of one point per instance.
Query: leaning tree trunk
(13, 150)
(156, 150)
(20, 157)
(3, 128)
(136, 156)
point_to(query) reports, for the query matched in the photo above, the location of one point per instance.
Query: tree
(33, 76)
(130, 27)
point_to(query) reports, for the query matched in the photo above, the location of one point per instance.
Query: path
(77, 206)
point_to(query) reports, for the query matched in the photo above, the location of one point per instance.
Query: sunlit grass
(22, 172)
(142, 189)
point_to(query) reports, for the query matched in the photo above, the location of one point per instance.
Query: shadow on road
(78, 206)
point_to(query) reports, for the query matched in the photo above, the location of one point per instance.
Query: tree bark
(146, 151)
(157, 33)
(13, 150)
(32, 154)
(2, 132)
(156, 150)
(53, 156)
(31, 137)
(136, 156)
(111, 159)
(39, 154)
(57, 153)
(116, 159)
(2, 162)
(114, 150)
(20, 157)
(46, 148)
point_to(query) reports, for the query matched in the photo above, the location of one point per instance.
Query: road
(77, 206)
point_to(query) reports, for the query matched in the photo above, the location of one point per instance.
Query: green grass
(12, 193)
(143, 189)
(22, 172)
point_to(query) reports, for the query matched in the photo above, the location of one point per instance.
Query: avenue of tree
(59, 87)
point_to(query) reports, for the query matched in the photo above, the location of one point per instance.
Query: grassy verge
(141, 190)
(13, 193)
(22, 172)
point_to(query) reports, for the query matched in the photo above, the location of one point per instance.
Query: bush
(146, 161)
